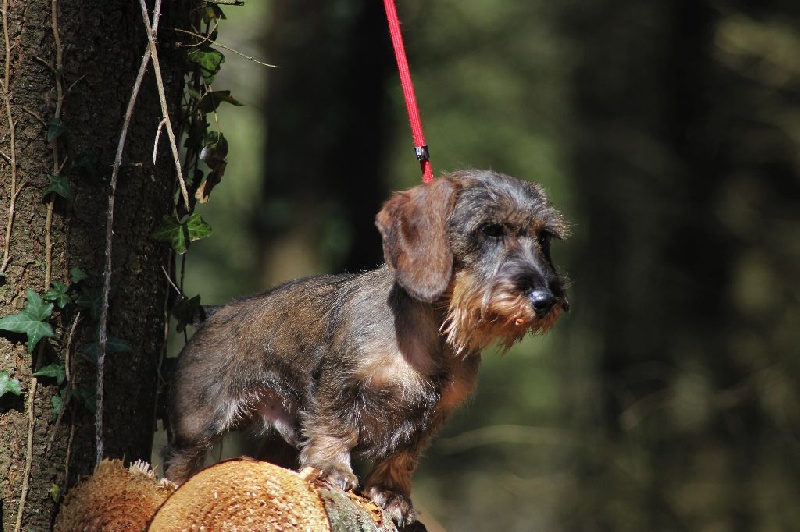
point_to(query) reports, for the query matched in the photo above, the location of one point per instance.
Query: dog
(372, 364)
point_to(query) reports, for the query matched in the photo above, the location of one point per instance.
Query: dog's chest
(400, 407)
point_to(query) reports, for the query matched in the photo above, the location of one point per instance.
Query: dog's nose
(542, 301)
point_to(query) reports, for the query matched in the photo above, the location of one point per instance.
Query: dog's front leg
(389, 486)
(331, 455)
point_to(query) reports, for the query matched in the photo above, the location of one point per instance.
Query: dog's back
(255, 355)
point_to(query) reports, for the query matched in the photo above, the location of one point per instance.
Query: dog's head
(479, 242)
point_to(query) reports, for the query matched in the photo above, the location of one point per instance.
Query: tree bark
(68, 68)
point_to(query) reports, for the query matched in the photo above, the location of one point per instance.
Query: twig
(6, 81)
(48, 246)
(70, 384)
(26, 474)
(28, 453)
(103, 333)
(172, 283)
(158, 137)
(162, 98)
(206, 38)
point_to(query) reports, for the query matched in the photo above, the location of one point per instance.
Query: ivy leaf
(211, 100)
(214, 154)
(113, 345)
(59, 185)
(56, 371)
(197, 228)
(117, 345)
(7, 384)
(90, 298)
(172, 232)
(55, 128)
(185, 311)
(87, 396)
(77, 275)
(209, 60)
(180, 234)
(57, 402)
(212, 12)
(58, 294)
(31, 321)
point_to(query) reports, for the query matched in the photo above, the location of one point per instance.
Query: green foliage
(85, 396)
(208, 59)
(55, 128)
(76, 275)
(58, 294)
(179, 234)
(59, 185)
(90, 298)
(32, 321)
(113, 345)
(55, 371)
(9, 385)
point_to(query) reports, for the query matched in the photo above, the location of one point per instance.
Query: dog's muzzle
(542, 300)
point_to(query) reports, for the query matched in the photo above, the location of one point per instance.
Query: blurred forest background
(668, 131)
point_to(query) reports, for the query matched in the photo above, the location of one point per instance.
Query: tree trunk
(68, 72)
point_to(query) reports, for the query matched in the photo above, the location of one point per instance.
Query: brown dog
(374, 363)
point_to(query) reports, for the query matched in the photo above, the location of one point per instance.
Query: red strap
(420, 148)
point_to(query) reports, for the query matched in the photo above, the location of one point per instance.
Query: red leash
(420, 148)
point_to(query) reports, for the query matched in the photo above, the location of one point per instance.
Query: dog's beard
(481, 313)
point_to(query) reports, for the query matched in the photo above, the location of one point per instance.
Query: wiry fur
(372, 364)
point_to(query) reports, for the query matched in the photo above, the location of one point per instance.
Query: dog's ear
(415, 239)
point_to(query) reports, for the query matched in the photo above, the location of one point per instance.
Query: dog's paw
(396, 505)
(341, 477)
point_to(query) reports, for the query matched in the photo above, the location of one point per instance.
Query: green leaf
(56, 371)
(90, 298)
(55, 128)
(117, 345)
(172, 232)
(209, 60)
(31, 321)
(113, 345)
(197, 228)
(211, 100)
(58, 294)
(57, 402)
(77, 275)
(7, 384)
(59, 185)
(87, 397)
(180, 234)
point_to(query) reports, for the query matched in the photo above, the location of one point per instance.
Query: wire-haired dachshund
(372, 364)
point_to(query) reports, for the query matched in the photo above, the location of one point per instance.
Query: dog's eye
(493, 230)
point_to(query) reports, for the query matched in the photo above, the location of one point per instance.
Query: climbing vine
(205, 148)
(199, 149)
